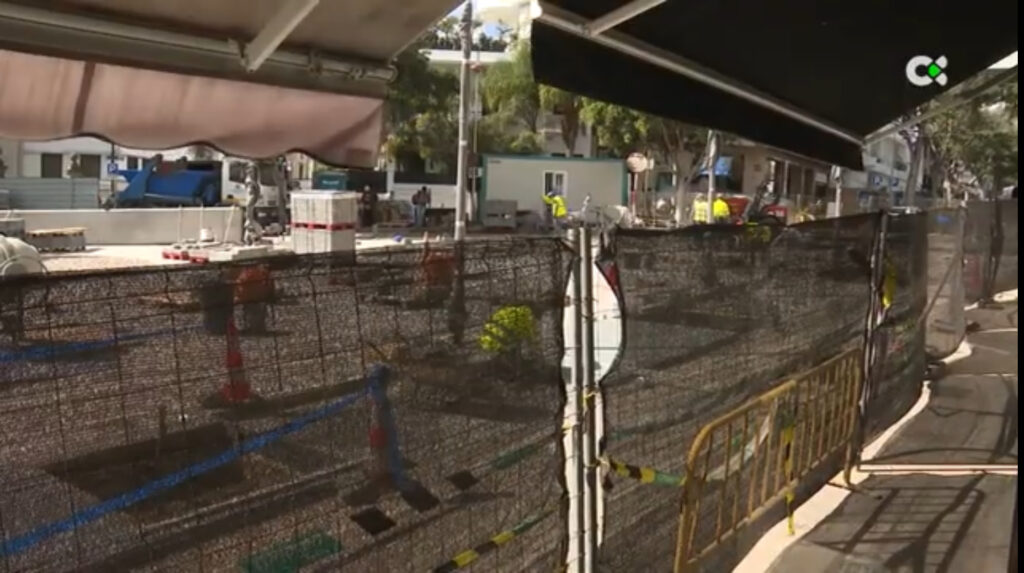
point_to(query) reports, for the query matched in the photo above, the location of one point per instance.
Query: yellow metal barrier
(752, 457)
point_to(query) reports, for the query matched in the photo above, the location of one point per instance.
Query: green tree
(568, 106)
(508, 88)
(421, 108)
(623, 131)
(975, 145)
(496, 133)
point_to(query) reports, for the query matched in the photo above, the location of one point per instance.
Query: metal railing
(750, 458)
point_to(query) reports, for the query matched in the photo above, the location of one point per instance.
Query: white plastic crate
(305, 241)
(326, 209)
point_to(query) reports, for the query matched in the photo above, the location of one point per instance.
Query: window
(237, 169)
(236, 172)
(51, 165)
(133, 163)
(556, 181)
(89, 166)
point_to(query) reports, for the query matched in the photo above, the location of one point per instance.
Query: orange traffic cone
(237, 388)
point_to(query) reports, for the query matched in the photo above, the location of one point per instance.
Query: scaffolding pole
(577, 419)
(589, 402)
(462, 165)
(712, 163)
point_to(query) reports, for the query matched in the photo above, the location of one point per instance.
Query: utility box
(324, 222)
(499, 214)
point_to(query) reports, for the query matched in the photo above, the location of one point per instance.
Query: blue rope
(25, 541)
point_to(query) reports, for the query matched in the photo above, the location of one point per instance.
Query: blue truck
(170, 184)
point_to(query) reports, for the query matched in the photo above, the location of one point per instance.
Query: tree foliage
(445, 35)
(623, 131)
(421, 119)
(568, 106)
(975, 145)
(508, 89)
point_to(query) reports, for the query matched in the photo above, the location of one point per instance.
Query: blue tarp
(723, 168)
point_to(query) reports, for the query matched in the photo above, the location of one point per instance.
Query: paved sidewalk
(951, 519)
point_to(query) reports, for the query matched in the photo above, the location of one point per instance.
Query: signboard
(111, 167)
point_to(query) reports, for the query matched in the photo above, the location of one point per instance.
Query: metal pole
(837, 174)
(868, 370)
(464, 103)
(590, 400)
(783, 190)
(578, 419)
(577, 26)
(712, 163)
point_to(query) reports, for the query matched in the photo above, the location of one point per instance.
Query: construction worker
(554, 200)
(720, 210)
(699, 210)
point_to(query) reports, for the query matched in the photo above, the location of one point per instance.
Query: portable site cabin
(526, 178)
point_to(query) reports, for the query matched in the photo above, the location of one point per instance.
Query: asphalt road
(945, 523)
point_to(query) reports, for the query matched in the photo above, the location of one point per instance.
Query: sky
(490, 29)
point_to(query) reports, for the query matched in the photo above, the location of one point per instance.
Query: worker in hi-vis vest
(554, 200)
(699, 210)
(720, 210)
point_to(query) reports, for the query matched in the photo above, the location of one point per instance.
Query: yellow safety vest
(557, 204)
(721, 209)
(700, 210)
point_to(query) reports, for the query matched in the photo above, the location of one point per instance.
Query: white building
(97, 158)
(549, 126)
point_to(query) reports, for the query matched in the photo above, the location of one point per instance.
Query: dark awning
(251, 77)
(811, 76)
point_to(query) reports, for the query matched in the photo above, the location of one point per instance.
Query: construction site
(217, 369)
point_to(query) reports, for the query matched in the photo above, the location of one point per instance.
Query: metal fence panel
(300, 413)
(743, 462)
(945, 325)
(714, 317)
(45, 193)
(978, 232)
(1004, 251)
(900, 338)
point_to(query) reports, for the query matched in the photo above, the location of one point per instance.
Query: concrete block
(305, 241)
(154, 226)
(333, 210)
(12, 228)
(57, 240)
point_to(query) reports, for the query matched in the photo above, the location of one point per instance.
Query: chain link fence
(945, 326)
(714, 317)
(405, 411)
(297, 413)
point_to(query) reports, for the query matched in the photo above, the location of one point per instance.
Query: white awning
(253, 78)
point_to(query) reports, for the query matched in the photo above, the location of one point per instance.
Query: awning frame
(274, 32)
(950, 103)
(53, 33)
(599, 31)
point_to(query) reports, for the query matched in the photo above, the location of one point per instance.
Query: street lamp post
(462, 166)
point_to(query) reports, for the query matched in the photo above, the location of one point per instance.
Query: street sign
(111, 168)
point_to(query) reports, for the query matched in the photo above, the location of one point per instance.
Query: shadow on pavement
(969, 420)
(921, 524)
